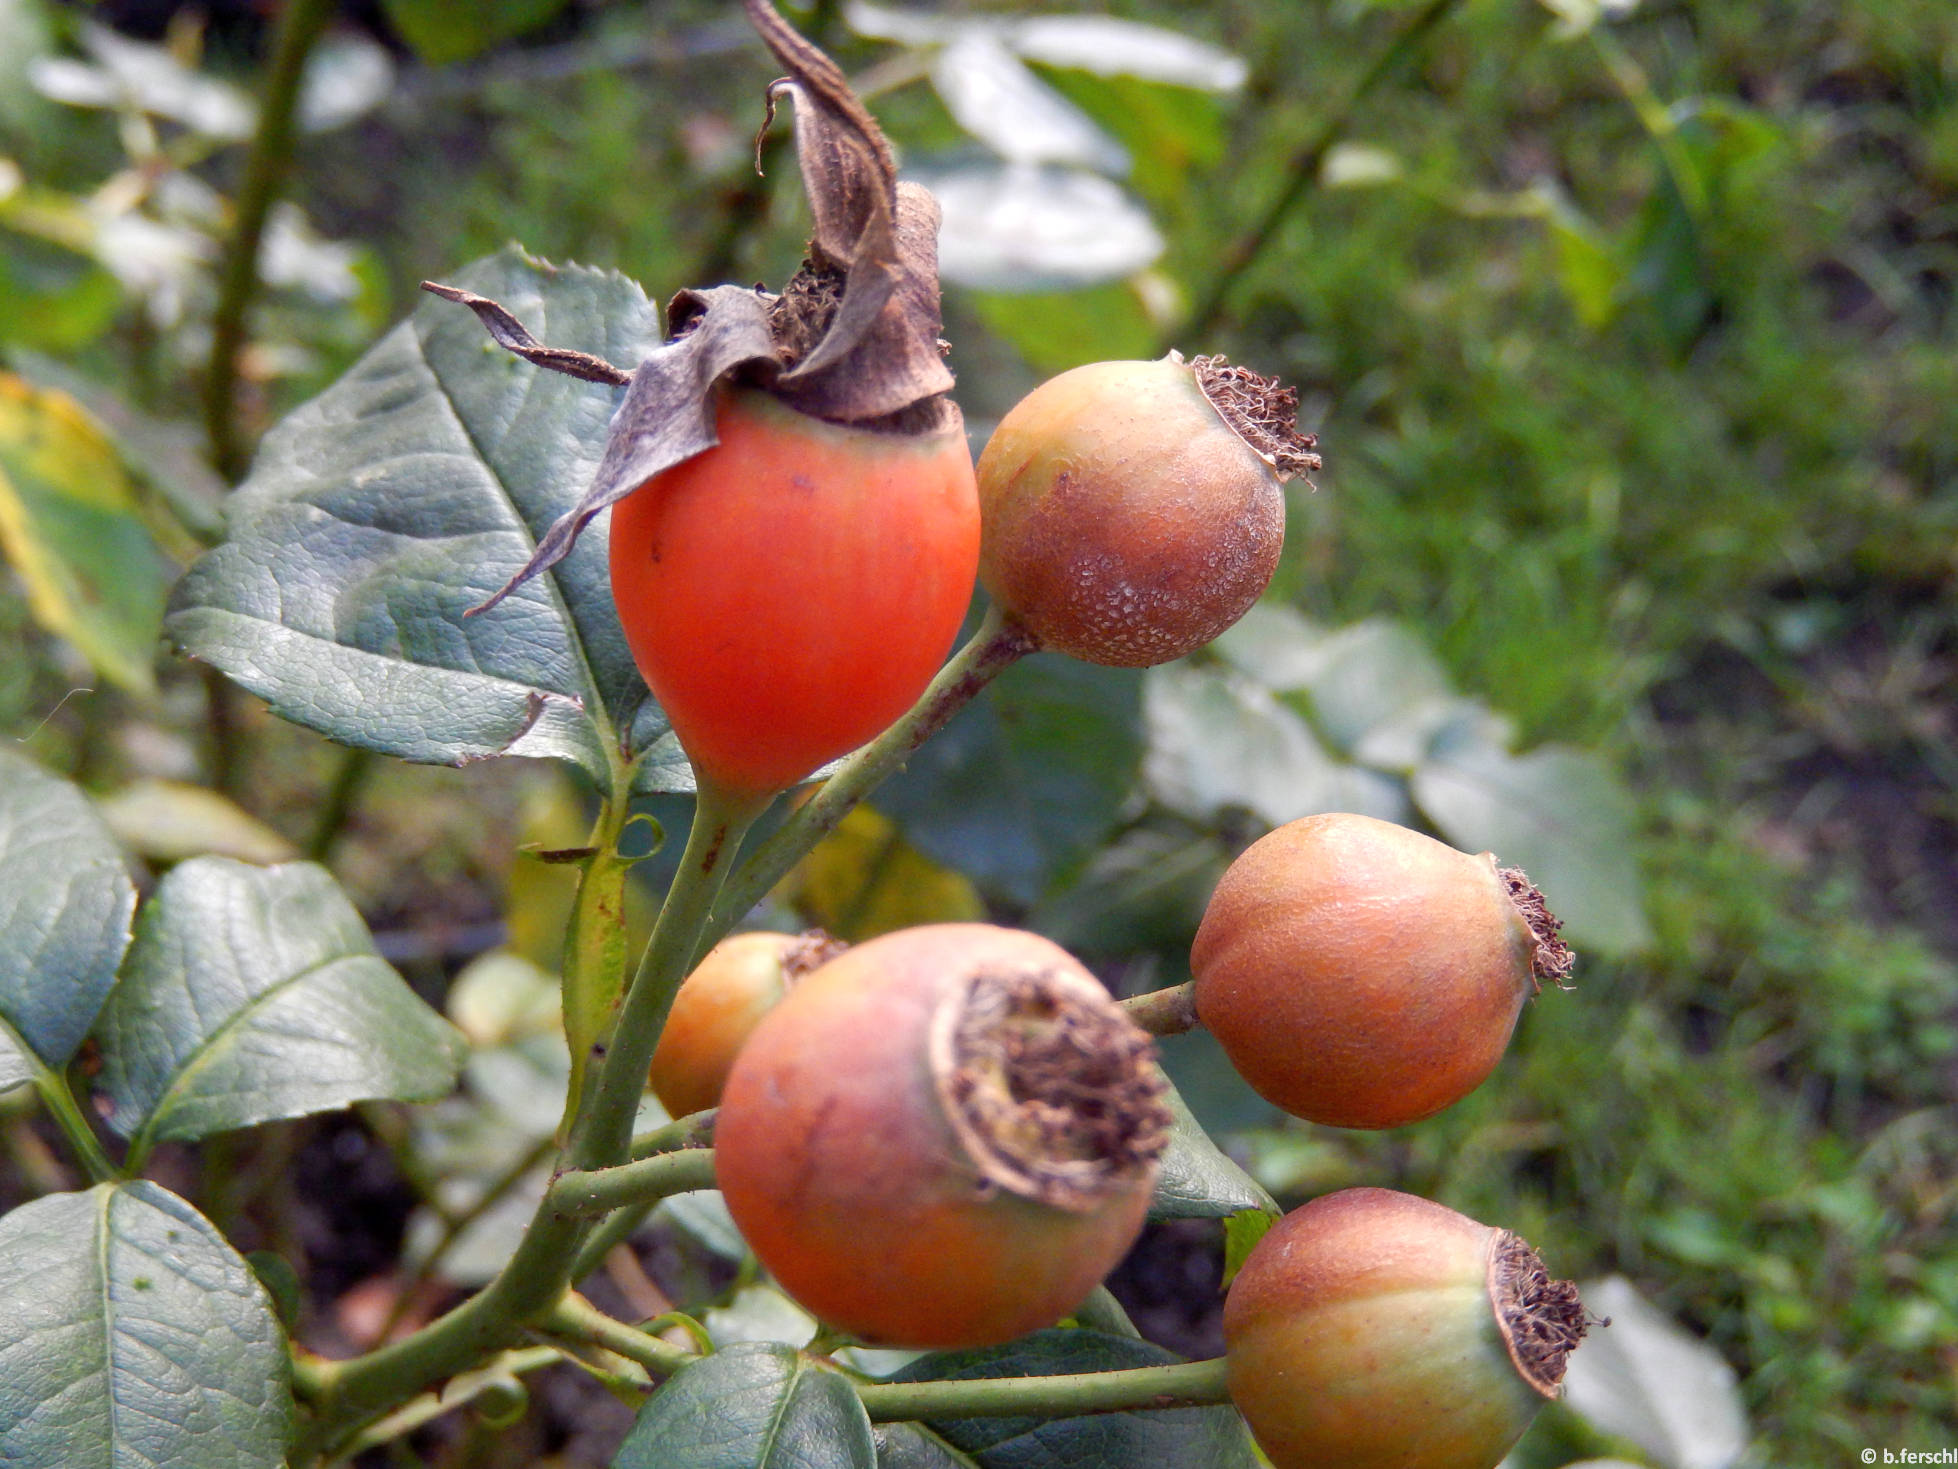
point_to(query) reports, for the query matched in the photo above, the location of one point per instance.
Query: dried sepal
(853, 338)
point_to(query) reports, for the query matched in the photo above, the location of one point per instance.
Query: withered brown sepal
(853, 338)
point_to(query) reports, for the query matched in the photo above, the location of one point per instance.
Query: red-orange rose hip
(789, 592)
(1376, 1330)
(945, 1137)
(1360, 974)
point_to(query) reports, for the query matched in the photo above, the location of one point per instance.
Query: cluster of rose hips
(947, 1136)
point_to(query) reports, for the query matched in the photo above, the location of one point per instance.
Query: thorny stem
(560, 1246)
(1177, 1385)
(301, 23)
(617, 1228)
(695, 1131)
(354, 1392)
(579, 1319)
(535, 1278)
(1301, 171)
(594, 1192)
(429, 1406)
(453, 1228)
(996, 646)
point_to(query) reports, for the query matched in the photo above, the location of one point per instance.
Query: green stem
(453, 1228)
(1636, 87)
(535, 1278)
(429, 1406)
(996, 646)
(301, 23)
(614, 1231)
(1301, 172)
(695, 1130)
(224, 747)
(69, 1117)
(308, 1382)
(578, 1318)
(601, 1136)
(349, 775)
(592, 1192)
(559, 1246)
(354, 1392)
(1178, 1385)
(1165, 1012)
(595, 954)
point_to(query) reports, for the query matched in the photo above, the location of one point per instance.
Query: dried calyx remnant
(853, 338)
(1262, 411)
(1553, 959)
(1542, 1320)
(811, 950)
(1053, 1091)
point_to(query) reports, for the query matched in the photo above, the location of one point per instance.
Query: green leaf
(65, 903)
(1367, 675)
(1374, 689)
(1198, 1181)
(1588, 269)
(1146, 890)
(68, 523)
(56, 300)
(1647, 1380)
(1056, 330)
(254, 993)
(1211, 1437)
(913, 1446)
(281, 1283)
(131, 1335)
(759, 1405)
(1220, 742)
(1559, 814)
(409, 491)
(1242, 1231)
(1180, 130)
(1028, 779)
(441, 31)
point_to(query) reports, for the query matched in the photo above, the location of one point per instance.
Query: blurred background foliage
(1629, 333)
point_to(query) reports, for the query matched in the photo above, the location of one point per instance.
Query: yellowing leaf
(68, 523)
(168, 821)
(865, 879)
